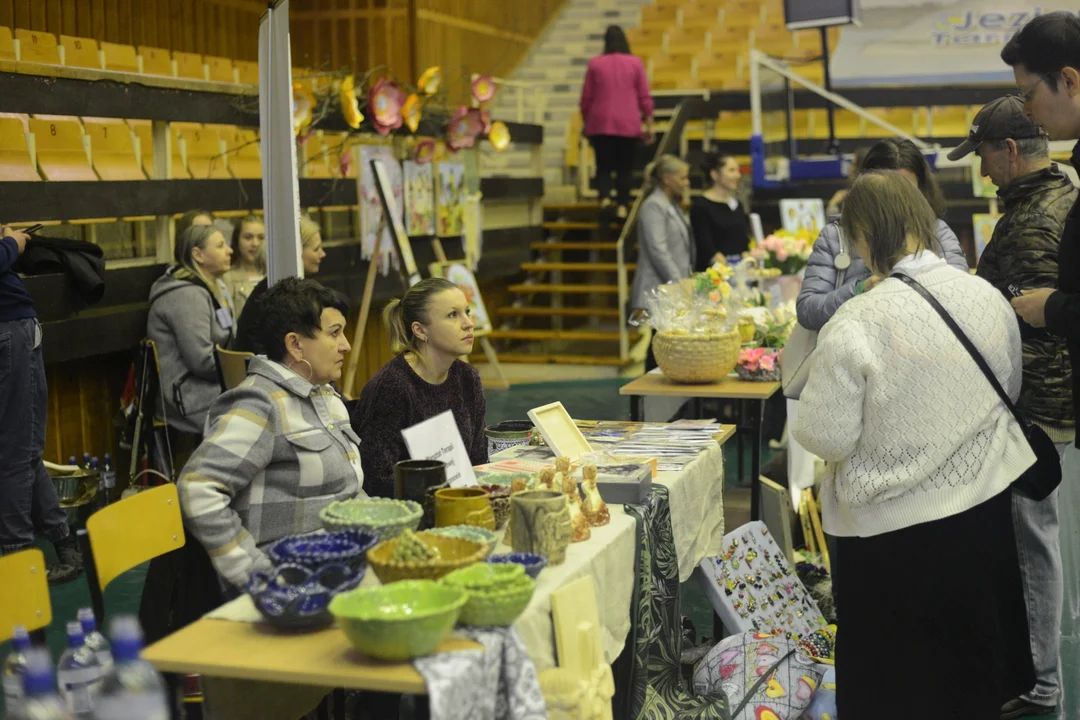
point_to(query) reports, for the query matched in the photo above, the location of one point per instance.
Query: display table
(750, 396)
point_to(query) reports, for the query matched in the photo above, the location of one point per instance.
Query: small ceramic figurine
(579, 524)
(594, 507)
(562, 464)
(545, 479)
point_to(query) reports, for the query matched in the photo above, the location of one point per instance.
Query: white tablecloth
(696, 495)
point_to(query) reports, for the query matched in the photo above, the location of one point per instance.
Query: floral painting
(419, 198)
(451, 199)
(371, 209)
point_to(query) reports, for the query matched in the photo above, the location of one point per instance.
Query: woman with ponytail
(430, 328)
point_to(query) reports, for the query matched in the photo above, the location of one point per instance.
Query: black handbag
(1042, 478)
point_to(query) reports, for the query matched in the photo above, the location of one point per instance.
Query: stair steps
(576, 267)
(544, 288)
(561, 246)
(555, 335)
(533, 311)
(549, 359)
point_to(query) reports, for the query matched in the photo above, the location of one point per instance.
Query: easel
(361, 321)
(480, 334)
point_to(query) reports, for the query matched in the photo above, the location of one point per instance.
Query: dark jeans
(28, 502)
(614, 154)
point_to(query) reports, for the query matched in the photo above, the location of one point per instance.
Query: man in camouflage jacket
(1023, 255)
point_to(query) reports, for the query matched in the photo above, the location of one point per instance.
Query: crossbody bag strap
(844, 250)
(965, 341)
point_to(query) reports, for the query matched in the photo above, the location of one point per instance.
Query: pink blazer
(615, 96)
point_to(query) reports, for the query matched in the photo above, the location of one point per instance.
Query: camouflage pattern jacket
(1024, 252)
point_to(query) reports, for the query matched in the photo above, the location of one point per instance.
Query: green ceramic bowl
(385, 517)
(405, 620)
(485, 576)
(499, 605)
(487, 538)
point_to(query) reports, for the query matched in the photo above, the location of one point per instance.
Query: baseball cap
(999, 120)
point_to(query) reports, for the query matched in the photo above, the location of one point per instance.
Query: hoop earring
(311, 370)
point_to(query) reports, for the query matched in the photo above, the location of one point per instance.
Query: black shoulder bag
(1042, 478)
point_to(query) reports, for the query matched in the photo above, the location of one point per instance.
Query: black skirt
(932, 622)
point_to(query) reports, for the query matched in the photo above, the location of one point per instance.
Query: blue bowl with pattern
(292, 597)
(532, 562)
(348, 547)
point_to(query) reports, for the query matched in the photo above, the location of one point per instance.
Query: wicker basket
(702, 358)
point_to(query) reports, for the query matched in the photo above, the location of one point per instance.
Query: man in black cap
(1023, 254)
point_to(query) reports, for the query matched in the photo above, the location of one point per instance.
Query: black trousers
(614, 155)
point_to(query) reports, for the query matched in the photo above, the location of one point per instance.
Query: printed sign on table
(438, 438)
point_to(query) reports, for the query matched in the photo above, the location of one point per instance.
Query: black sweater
(718, 229)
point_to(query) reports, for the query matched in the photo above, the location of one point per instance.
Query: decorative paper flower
(303, 102)
(499, 136)
(350, 105)
(345, 162)
(483, 89)
(430, 80)
(412, 112)
(465, 126)
(425, 151)
(385, 100)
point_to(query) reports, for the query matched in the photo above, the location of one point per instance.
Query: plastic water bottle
(94, 465)
(108, 477)
(85, 460)
(95, 640)
(73, 462)
(133, 689)
(40, 700)
(78, 673)
(15, 667)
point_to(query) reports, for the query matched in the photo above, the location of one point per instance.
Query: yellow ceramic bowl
(454, 553)
(463, 506)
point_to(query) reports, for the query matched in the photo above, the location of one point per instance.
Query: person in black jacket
(721, 225)
(1045, 58)
(29, 505)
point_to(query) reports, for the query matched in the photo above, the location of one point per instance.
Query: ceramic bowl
(384, 517)
(484, 576)
(292, 597)
(454, 553)
(532, 562)
(400, 621)
(314, 550)
(498, 605)
(487, 538)
(500, 503)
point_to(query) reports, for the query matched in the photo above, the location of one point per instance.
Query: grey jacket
(665, 246)
(819, 298)
(184, 326)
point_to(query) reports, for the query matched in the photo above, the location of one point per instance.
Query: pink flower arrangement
(758, 363)
(465, 126)
(385, 100)
(785, 251)
(483, 89)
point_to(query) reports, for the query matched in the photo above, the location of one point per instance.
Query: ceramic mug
(413, 480)
(463, 506)
(540, 523)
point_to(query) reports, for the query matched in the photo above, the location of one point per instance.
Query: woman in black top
(721, 225)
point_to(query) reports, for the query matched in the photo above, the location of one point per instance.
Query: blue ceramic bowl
(292, 597)
(532, 562)
(348, 547)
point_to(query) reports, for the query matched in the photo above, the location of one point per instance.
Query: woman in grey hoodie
(190, 313)
(819, 298)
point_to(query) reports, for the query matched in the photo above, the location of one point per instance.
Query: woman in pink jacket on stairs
(614, 101)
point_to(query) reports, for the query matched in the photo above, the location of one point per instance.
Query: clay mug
(540, 523)
(463, 506)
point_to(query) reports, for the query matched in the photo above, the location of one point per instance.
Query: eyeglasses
(1025, 97)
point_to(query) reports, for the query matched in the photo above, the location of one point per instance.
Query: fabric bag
(795, 357)
(1042, 478)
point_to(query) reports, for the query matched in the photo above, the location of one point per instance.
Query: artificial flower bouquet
(758, 363)
(785, 251)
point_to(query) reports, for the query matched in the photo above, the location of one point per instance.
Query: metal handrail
(669, 143)
(539, 99)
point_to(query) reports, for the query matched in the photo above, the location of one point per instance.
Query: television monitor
(801, 14)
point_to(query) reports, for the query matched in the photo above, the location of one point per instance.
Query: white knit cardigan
(910, 429)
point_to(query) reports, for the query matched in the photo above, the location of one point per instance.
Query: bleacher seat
(953, 121)
(205, 157)
(704, 15)
(112, 147)
(120, 58)
(37, 47)
(689, 40)
(189, 65)
(61, 154)
(80, 52)
(247, 73)
(219, 69)
(16, 164)
(155, 61)
(144, 135)
(644, 41)
(733, 125)
(243, 152)
(905, 119)
(658, 15)
(315, 159)
(7, 44)
(180, 168)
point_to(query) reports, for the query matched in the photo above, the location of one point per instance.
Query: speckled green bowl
(385, 517)
(485, 576)
(401, 621)
(499, 605)
(487, 538)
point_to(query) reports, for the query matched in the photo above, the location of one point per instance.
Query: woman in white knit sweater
(921, 453)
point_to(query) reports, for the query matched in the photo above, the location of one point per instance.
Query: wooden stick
(804, 518)
(361, 321)
(815, 519)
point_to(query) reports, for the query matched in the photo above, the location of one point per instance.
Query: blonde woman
(311, 256)
(665, 240)
(430, 328)
(249, 260)
(190, 313)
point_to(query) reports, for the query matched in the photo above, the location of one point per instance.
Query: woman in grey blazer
(665, 241)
